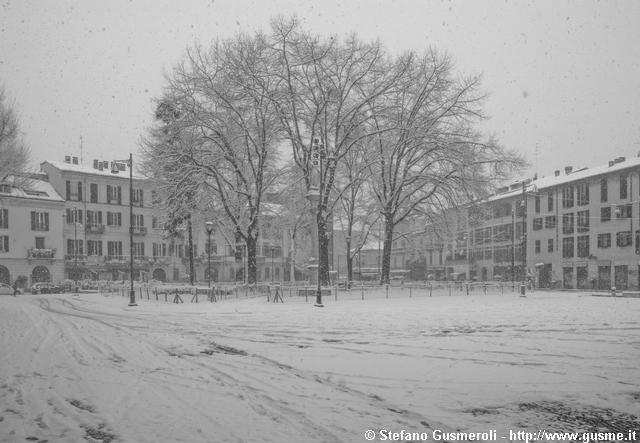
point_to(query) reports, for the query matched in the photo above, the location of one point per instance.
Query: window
(74, 216)
(537, 204)
(4, 243)
(94, 247)
(567, 197)
(623, 211)
(623, 186)
(605, 214)
(40, 243)
(74, 247)
(68, 189)
(94, 218)
(5, 188)
(550, 222)
(603, 190)
(114, 194)
(138, 249)
(4, 219)
(137, 197)
(154, 221)
(604, 240)
(623, 239)
(567, 223)
(537, 246)
(114, 219)
(567, 247)
(93, 190)
(550, 245)
(138, 220)
(537, 224)
(550, 201)
(39, 221)
(159, 249)
(213, 246)
(114, 248)
(79, 191)
(583, 194)
(583, 246)
(583, 221)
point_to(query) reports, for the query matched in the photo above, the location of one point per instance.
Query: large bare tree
(327, 90)
(225, 134)
(14, 154)
(432, 156)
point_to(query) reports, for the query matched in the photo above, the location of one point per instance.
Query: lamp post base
(319, 305)
(132, 299)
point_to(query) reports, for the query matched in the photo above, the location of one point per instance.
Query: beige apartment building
(31, 248)
(581, 230)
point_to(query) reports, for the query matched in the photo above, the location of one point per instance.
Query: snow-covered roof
(89, 169)
(618, 165)
(33, 189)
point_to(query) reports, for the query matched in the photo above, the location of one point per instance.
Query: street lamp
(75, 248)
(349, 264)
(272, 251)
(209, 227)
(115, 170)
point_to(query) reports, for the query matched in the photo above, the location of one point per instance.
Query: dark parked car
(45, 288)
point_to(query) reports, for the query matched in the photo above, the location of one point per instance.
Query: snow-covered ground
(88, 367)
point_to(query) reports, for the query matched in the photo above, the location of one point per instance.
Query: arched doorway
(160, 275)
(40, 274)
(5, 277)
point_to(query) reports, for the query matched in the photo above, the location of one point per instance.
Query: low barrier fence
(280, 291)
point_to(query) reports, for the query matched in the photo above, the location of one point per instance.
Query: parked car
(6, 289)
(45, 288)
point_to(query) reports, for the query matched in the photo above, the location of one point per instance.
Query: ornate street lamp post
(209, 227)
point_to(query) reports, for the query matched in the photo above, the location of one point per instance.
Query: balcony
(94, 229)
(139, 230)
(72, 258)
(41, 253)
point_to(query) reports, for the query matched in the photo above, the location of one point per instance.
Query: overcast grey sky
(561, 75)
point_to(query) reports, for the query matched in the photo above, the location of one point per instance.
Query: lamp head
(209, 226)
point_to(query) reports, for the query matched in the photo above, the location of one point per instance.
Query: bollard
(386, 287)
(467, 285)
(449, 289)
(362, 290)
(306, 295)
(613, 291)
(335, 287)
(410, 291)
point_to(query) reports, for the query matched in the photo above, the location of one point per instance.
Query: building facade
(575, 229)
(31, 248)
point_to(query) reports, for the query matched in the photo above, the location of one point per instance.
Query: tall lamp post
(115, 170)
(348, 240)
(209, 227)
(75, 249)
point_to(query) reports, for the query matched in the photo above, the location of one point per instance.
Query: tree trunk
(252, 243)
(386, 249)
(292, 257)
(349, 265)
(191, 271)
(323, 250)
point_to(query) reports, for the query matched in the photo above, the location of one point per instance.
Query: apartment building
(96, 223)
(31, 247)
(574, 229)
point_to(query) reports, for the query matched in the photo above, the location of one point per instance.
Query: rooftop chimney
(67, 159)
(556, 173)
(611, 163)
(74, 160)
(619, 160)
(568, 169)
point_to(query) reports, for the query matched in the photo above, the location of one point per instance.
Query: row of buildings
(573, 229)
(71, 221)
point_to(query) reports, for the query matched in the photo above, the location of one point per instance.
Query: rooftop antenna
(81, 157)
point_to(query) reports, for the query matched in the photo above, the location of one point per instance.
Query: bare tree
(432, 156)
(14, 154)
(326, 90)
(225, 134)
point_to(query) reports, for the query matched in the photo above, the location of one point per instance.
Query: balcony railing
(139, 230)
(41, 253)
(95, 229)
(73, 258)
